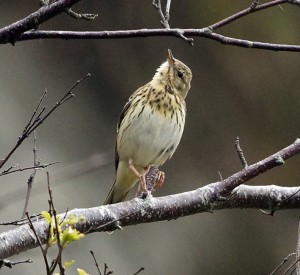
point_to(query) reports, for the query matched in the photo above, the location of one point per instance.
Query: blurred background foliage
(253, 94)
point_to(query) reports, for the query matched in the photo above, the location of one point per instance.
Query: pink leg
(160, 180)
(142, 186)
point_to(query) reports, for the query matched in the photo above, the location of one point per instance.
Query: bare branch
(225, 194)
(139, 271)
(298, 251)
(240, 152)
(96, 263)
(39, 242)
(11, 33)
(34, 123)
(227, 185)
(204, 32)
(24, 29)
(84, 16)
(10, 264)
(137, 211)
(254, 7)
(280, 266)
(23, 220)
(11, 169)
(164, 18)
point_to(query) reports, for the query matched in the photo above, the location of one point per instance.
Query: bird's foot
(160, 180)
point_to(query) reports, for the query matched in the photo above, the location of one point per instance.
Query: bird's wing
(123, 113)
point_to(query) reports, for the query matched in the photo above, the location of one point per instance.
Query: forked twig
(166, 17)
(37, 119)
(85, 16)
(280, 266)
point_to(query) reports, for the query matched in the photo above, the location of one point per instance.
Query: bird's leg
(160, 180)
(143, 185)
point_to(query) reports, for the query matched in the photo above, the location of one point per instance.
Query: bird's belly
(150, 139)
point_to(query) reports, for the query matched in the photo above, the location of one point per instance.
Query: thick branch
(137, 211)
(204, 32)
(208, 198)
(11, 33)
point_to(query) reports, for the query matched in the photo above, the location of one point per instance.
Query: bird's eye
(180, 74)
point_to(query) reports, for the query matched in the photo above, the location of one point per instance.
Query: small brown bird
(150, 126)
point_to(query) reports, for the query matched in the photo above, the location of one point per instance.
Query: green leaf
(81, 272)
(70, 235)
(47, 216)
(67, 264)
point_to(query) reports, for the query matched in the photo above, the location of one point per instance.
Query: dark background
(253, 94)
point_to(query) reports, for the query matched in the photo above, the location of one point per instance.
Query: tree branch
(24, 29)
(11, 33)
(204, 32)
(253, 8)
(208, 198)
(37, 119)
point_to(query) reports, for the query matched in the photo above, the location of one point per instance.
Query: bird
(150, 127)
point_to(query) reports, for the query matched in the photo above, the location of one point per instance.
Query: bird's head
(175, 73)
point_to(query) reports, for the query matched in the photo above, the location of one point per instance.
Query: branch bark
(204, 32)
(11, 33)
(25, 29)
(226, 194)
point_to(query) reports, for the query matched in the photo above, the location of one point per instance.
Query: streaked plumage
(151, 125)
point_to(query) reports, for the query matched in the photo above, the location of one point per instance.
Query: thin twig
(253, 8)
(279, 267)
(254, 4)
(40, 166)
(298, 251)
(44, 252)
(35, 110)
(220, 175)
(164, 21)
(58, 260)
(10, 264)
(23, 220)
(106, 270)
(31, 177)
(291, 267)
(167, 13)
(34, 123)
(139, 271)
(96, 263)
(240, 152)
(84, 16)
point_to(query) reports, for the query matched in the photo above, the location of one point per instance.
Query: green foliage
(66, 232)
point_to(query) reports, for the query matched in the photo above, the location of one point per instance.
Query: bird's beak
(170, 58)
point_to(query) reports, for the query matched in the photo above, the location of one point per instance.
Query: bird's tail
(125, 180)
(115, 196)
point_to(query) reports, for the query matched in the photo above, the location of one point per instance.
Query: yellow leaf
(70, 235)
(46, 216)
(67, 264)
(81, 272)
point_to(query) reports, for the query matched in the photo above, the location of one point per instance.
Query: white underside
(146, 138)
